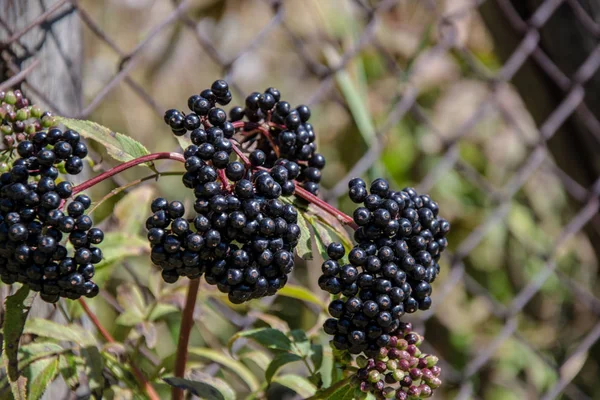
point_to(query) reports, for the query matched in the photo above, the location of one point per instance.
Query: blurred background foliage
(464, 142)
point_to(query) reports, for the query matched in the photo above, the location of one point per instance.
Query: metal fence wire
(492, 106)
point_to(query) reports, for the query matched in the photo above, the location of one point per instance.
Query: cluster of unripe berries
(400, 370)
(35, 219)
(242, 235)
(19, 119)
(390, 270)
(284, 133)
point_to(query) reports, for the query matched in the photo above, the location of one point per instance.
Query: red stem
(125, 166)
(108, 337)
(322, 204)
(187, 321)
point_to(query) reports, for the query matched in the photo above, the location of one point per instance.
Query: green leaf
(345, 392)
(41, 374)
(204, 386)
(267, 337)
(301, 293)
(297, 383)
(300, 342)
(129, 318)
(326, 367)
(18, 306)
(330, 229)
(132, 209)
(235, 366)
(279, 361)
(184, 141)
(69, 365)
(118, 246)
(94, 365)
(35, 351)
(258, 358)
(52, 330)
(161, 310)
(118, 146)
(304, 248)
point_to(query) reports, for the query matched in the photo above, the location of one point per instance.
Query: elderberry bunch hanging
(242, 236)
(33, 221)
(390, 270)
(284, 133)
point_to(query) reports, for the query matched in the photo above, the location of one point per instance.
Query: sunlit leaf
(235, 366)
(61, 332)
(300, 293)
(40, 375)
(118, 146)
(118, 246)
(132, 209)
(297, 383)
(304, 248)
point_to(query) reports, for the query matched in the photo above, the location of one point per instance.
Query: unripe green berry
(402, 344)
(48, 121)
(392, 364)
(435, 383)
(6, 129)
(10, 97)
(389, 393)
(362, 361)
(431, 360)
(30, 129)
(35, 111)
(374, 376)
(22, 114)
(398, 374)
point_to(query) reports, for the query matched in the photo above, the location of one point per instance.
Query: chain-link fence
(492, 106)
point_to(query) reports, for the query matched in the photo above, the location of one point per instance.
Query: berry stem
(187, 321)
(108, 337)
(125, 166)
(322, 204)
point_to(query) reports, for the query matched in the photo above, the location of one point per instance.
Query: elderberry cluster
(286, 134)
(399, 242)
(400, 370)
(242, 236)
(33, 224)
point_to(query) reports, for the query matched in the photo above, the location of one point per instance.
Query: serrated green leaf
(130, 317)
(40, 374)
(204, 386)
(33, 352)
(94, 365)
(329, 229)
(297, 383)
(327, 367)
(300, 342)
(345, 392)
(17, 309)
(132, 209)
(52, 330)
(316, 355)
(267, 337)
(279, 361)
(304, 248)
(117, 246)
(259, 358)
(160, 310)
(118, 146)
(301, 293)
(235, 366)
(69, 365)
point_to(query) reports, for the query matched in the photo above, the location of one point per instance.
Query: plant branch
(108, 337)
(125, 166)
(187, 321)
(322, 204)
